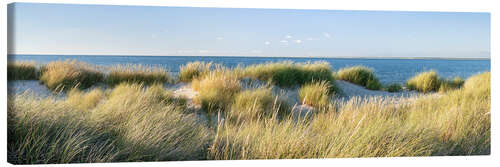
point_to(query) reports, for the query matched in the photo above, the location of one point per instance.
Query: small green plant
(316, 94)
(137, 74)
(22, 70)
(394, 87)
(65, 75)
(424, 82)
(194, 70)
(360, 75)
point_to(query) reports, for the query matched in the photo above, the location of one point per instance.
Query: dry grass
(22, 70)
(132, 123)
(256, 104)
(424, 82)
(457, 123)
(137, 74)
(316, 94)
(216, 90)
(65, 75)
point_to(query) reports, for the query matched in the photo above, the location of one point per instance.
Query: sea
(387, 70)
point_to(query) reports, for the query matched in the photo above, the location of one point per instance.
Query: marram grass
(139, 121)
(194, 70)
(458, 123)
(22, 70)
(360, 75)
(317, 94)
(137, 74)
(288, 74)
(216, 90)
(424, 82)
(132, 123)
(65, 75)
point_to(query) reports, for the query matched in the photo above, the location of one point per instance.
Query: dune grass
(424, 82)
(255, 104)
(216, 90)
(194, 70)
(447, 85)
(22, 70)
(84, 101)
(142, 121)
(137, 73)
(394, 87)
(360, 75)
(65, 75)
(132, 123)
(317, 94)
(287, 74)
(457, 123)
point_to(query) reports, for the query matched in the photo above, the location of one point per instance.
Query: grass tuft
(22, 70)
(360, 75)
(216, 90)
(394, 87)
(316, 94)
(424, 82)
(256, 104)
(194, 70)
(65, 75)
(137, 74)
(287, 74)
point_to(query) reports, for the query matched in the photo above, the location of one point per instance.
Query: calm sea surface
(387, 70)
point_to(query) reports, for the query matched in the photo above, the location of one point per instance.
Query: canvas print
(109, 83)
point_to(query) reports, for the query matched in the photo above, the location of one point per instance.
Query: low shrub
(424, 82)
(22, 70)
(216, 90)
(194, 70)
(65, 75)
(316, 94)
(137, 74)
(360, 75)
(394, 87)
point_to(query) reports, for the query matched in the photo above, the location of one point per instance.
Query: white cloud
(267, 43)
(298, 41)
(288, 36)
(327, 35)
(219, 38)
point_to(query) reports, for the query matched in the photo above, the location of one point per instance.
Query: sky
(66, 29)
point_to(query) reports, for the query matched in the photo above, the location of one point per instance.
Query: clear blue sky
(143, 30)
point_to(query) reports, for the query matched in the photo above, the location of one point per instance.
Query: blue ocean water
(387, 70)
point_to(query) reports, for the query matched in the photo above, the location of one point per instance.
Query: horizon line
(337, 57)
